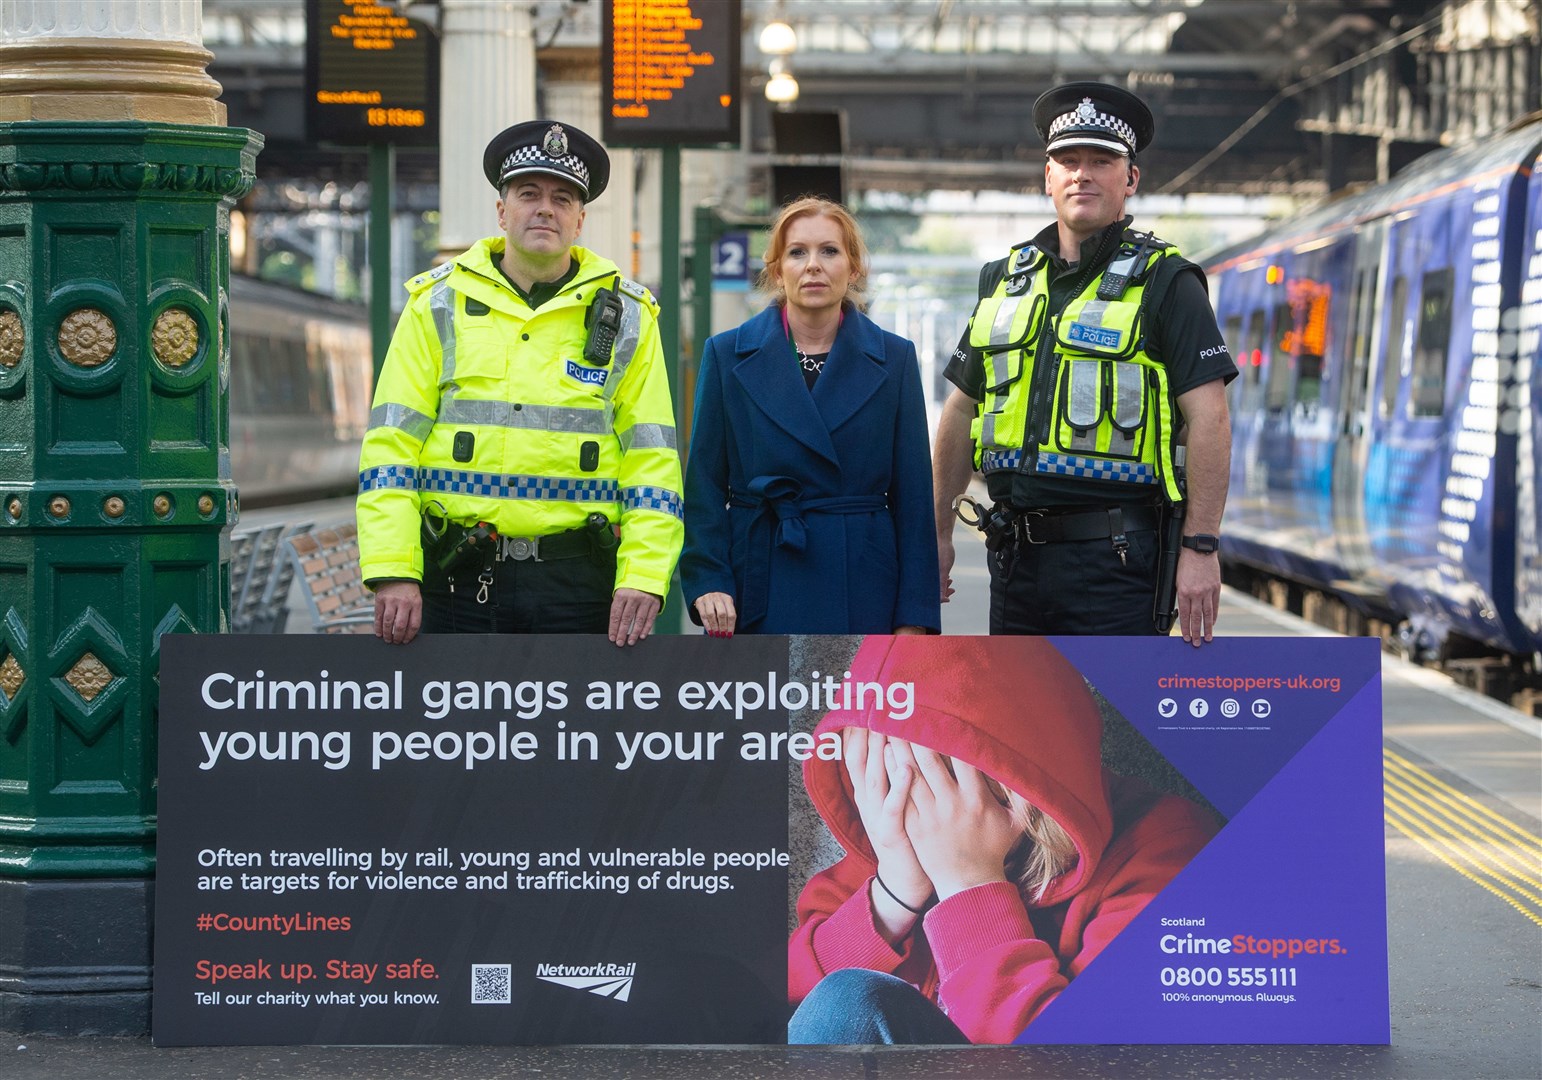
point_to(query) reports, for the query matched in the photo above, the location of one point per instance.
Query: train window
(1428, 392)
(1232, 335)
(1392, 355)
(1277, 392)
(1252, 356)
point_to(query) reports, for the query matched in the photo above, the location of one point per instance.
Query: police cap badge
(549, 148)
(1093, 114)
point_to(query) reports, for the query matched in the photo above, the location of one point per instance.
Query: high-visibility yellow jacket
(552, 439)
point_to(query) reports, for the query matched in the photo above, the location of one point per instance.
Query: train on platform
(1386, 446)
(301, 380)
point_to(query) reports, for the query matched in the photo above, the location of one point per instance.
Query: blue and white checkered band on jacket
(1086, 118)
(535, 159)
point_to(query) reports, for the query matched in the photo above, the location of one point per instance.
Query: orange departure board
(371, 75)
(673, 71)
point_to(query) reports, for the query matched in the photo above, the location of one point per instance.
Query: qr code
(490, 984)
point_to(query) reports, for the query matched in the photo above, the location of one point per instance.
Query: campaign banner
(548, 840)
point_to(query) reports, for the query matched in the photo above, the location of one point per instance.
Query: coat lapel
(772, 382)
(853, 373)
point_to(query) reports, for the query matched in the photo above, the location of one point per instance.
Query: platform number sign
(731, 269)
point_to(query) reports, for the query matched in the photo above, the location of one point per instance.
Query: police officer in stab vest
(1092, 355)
(520, 472)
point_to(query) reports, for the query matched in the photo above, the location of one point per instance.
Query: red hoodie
(1014, 708)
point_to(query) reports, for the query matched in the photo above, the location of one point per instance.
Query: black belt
(1056, 527)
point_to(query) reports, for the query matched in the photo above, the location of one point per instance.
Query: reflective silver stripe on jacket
(441, 304)
(1001, 329)
(648, 437)
(1084, 403)
(511, 414)
(626, 342)
(411, 422)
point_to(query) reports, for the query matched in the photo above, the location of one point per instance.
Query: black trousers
(1076, 587)
(561, 596)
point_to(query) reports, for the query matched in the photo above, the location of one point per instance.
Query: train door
(1355, 399)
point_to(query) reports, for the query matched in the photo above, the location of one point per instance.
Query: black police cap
(549, 148)
(1093, 114)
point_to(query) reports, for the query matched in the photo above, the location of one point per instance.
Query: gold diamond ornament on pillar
(11, 676)
(89, 677)
(87, 337)
(175, 337)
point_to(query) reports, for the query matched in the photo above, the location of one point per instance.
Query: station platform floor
(1465, 954)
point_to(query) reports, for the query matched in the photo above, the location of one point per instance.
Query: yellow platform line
(1418, 815)
(1461, 829)
(1479, 858)
(1459, 798)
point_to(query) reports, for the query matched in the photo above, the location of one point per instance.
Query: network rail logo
(612, 981)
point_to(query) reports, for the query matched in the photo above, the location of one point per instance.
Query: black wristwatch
(1204, 543)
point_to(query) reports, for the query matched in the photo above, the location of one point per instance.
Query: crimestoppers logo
(607, 980)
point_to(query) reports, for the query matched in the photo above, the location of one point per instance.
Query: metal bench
(327, 564)
(260, 577)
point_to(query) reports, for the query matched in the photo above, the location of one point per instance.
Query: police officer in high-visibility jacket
(520, 473)
(1092, 354)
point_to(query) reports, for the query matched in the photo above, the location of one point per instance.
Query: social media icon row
(1167, 708)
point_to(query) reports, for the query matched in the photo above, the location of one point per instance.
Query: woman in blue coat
(808, 490)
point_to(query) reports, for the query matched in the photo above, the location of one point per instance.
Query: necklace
(810, 362)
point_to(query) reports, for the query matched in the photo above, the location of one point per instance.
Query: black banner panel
(371, 75)
(474, 840)
(673, 67)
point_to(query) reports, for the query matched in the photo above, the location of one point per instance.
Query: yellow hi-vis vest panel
(546, 439)
(1074, 395)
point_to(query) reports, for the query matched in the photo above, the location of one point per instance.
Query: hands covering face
(933, 820)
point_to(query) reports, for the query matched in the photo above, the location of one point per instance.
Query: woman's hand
(717, 613)
(880, 783)
(959, 830)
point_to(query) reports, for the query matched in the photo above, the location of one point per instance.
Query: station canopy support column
(117, 175)
(486, 83)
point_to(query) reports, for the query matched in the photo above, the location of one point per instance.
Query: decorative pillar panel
(115, 491)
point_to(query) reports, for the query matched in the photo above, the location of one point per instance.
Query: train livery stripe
(1483, 846)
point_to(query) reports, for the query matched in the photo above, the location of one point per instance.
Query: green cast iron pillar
(117, 176)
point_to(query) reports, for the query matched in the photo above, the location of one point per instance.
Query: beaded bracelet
(914, 911)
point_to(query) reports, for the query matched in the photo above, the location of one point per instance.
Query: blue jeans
(857, 1007)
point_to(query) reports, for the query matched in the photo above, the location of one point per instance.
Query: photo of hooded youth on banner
(990, 854)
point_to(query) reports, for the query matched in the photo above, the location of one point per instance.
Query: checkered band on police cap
(1087, 120)
(550, 148)
(1093, 114)
(536, 159)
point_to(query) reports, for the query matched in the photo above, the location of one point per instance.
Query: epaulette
(638, 292)
(631, 288)
(428, 277)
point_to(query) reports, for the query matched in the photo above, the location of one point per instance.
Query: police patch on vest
(1102, 337)
(589, 376)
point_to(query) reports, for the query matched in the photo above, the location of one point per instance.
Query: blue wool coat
(812, 510)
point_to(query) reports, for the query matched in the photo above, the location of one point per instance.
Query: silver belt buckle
(520, 548)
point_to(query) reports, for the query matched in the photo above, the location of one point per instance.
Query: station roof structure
(1251, 96)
